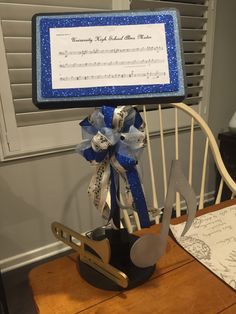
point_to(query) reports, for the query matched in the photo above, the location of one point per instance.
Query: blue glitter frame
(42, 82)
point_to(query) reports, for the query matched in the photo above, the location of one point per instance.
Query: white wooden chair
(189, 140)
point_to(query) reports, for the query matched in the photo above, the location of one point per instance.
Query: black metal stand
(121, 242)
(228, 153)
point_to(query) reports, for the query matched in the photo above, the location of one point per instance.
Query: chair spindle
(219, 194)
(153, 184)
(203, 180)
(163, 151)
(178, 212)
(190, 177)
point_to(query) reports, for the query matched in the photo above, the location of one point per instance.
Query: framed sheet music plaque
(93, 59)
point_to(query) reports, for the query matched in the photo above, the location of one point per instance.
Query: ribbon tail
(138, 197)
(99, 186)
(114, 191)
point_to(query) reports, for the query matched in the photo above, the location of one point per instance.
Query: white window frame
(32, 140)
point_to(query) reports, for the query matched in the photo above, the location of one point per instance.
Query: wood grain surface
(180, 284)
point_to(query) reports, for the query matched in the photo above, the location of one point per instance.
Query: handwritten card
(110, 55)
(212, 240)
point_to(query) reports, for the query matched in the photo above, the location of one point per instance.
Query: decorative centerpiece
(113, 60)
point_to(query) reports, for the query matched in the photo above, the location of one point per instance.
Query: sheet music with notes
(88, 59)
(109, 56)
(212, 240)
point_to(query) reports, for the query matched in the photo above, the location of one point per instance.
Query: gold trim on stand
(101, 248)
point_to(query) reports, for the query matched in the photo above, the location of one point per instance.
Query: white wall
(223, 100)
(35, 192)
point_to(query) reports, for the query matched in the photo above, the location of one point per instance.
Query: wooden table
(180, 284)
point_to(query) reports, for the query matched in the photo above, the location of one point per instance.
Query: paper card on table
(212, 240)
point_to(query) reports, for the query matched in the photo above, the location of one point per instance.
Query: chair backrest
(191, 142)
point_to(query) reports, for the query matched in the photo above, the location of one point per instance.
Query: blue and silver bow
(112, 141)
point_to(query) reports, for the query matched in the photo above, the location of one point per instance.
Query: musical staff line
(148, 75)
(114, 50)
(110, 63)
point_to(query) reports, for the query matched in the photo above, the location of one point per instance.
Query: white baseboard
(29, 257)
(40, 253)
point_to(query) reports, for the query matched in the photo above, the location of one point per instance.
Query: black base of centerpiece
(121, 242)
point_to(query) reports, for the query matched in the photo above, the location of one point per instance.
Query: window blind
(15, 16)
(193, 28)
(25, 131)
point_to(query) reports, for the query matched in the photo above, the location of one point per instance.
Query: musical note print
(67, 53)
(111, 63)
(112, 76)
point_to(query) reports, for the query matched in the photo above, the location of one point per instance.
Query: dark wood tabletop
(180, 284)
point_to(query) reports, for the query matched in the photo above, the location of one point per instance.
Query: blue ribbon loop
(112, 140)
